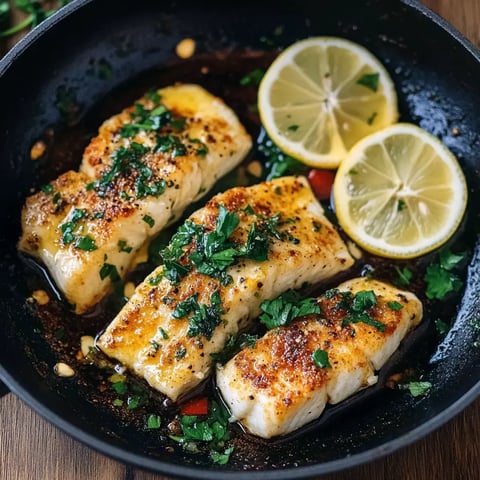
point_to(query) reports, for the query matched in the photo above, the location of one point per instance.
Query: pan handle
(3, 389)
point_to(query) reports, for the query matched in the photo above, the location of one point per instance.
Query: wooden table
(31, 448)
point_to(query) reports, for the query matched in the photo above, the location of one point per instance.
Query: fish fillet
(145, 166)
(275, 387)
(164, 350)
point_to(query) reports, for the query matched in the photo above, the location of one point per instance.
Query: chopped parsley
(36, 13)
(146, 119)
(404, 277)
(277, 163)
(204, 318)
(214, 250)
(232, 346)
(148, 220)
(286, 308)
(170, 144)
(441, 326)
(440, 277)
(356, 307)
(69, 229)
(153, 422)
(207, 432)
(123, 246)
(163, 333)
(109, 270)
(253, 78)
(372, 118)
(320, 359)
(395, 305)
(85, 243)
(370, 80)
(419, 388)
(47, 189)
(181, 352)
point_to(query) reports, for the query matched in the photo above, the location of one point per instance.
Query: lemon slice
(400, 192)
(321, 95)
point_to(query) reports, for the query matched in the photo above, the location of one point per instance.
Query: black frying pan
(437, 74)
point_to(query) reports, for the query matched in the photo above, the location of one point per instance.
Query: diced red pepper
(196, 406)
(321, 182)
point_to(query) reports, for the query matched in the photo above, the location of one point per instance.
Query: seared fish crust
(155, 334)
(276, 386)
(146, 165)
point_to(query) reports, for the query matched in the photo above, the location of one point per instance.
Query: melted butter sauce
(219, 73)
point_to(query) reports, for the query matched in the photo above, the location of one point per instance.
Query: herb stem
(18, 27)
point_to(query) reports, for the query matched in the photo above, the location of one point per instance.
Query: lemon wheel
(400, 192)
(323, 94)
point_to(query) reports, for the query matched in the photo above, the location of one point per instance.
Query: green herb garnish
(48, 188)
(441, 326)
(204, 318)
(370, 80)
(419, 388)
(233, 345)
(123, 246)
(356, 307)
(153, 422)
(405, 276)
(109, 271)
(440, 278)
(372, 118)
(253, 78)
(148, 220)
(85, 243)
(36, 14)
(395, 305)
(286, 308)
(209, 433)
(320, 359)
(69, 228)
(277, 163)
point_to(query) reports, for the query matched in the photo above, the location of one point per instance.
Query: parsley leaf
(253, 78)
(85, 243)
(439, 276)
(233, 346)
(109, 270)
(405, 276)
(286, 308)
(213, 429)
(277, 163)
(419, 388)
(356, 307)
(153, 422)
(221, 458)
(370, 80)
(441, 326)
(320, 359)
(395, 305)
(204, 318)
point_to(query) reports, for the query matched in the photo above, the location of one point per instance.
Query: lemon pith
(400, 193)
(321, 95)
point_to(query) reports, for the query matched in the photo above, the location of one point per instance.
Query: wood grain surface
(31, 448)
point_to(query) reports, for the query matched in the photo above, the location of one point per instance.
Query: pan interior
(437, 82)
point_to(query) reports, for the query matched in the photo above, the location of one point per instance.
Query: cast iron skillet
(437, 74)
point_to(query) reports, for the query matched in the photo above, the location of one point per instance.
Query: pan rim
(160, 466)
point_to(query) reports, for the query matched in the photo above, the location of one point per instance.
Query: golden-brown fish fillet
(146, 165)
(171, 351)
(276, 387)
